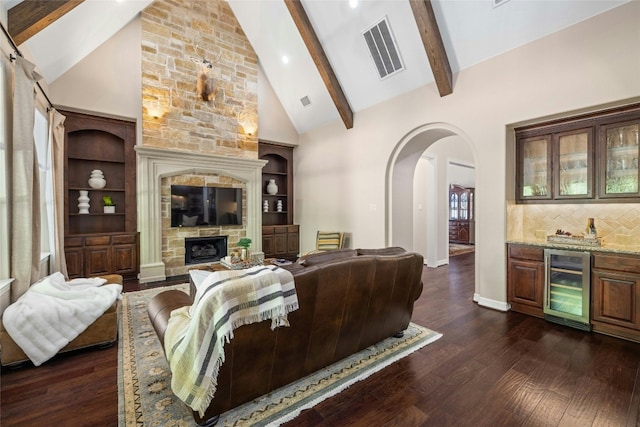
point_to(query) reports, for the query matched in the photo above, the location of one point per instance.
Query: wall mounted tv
(205, 206)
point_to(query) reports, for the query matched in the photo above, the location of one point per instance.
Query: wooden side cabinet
(615, 295)
(280, 237)
(281, 241)
(586, 158)
(97, 255)
(97, 242)
(525, 279)
(461, 210)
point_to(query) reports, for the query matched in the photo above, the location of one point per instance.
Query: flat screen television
(205, 206)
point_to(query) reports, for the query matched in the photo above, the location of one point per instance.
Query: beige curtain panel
(25, 189)
(56, 135)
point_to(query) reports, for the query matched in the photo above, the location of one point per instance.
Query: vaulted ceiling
(329, 73)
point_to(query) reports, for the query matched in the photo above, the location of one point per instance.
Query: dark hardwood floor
(489, 369)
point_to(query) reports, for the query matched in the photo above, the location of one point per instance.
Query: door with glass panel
(567, 287)
(534, 177)
(573, 157)
(619, 160)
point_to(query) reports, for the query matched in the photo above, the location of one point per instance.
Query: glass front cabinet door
(574, 160)
(534, 158)
(619, 160)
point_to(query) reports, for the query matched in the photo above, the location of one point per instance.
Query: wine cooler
(566, 297)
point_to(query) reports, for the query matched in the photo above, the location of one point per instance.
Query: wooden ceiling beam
(29, 17)
(432, 41)
(319, 57)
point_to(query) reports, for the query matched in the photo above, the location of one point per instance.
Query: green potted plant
(244, 243)
(109, 206)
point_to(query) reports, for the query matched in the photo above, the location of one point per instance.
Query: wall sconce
(248, 123)
(154, 109)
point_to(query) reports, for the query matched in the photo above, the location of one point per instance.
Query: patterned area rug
(144, 381)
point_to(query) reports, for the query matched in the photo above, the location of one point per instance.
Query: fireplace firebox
(204, 249)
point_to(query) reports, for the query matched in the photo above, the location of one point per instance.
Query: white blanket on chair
(53, 312)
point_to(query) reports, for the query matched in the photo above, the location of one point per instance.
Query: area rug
(144, 382)
(459, 249)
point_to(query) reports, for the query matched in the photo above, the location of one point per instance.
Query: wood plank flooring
(489, 369)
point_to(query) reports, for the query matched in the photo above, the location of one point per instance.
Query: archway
(399, 179)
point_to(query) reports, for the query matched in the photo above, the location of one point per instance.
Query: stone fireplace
(194, 139)
(154, 164)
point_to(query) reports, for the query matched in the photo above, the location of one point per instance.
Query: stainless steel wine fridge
(566, 297)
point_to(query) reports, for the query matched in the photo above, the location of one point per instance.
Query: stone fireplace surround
(156, 163)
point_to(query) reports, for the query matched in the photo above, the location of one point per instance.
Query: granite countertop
(605, 247)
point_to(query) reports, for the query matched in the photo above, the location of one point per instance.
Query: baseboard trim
(439, 263)
(490, 303)
(152, 273)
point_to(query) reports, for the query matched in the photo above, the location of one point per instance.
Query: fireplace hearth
(198, 250)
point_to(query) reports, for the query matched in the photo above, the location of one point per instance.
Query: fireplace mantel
(157, 163)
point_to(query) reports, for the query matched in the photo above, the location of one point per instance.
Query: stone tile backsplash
(617, 223)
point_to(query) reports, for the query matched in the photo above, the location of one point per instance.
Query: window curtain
(56, 136)
(25, 189)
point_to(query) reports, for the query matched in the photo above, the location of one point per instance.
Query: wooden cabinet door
(74, 257)
(293, 243)
(463, 231)
(267, 245)
(124, 259)
(97, 261)
(573, 164)
(280, 243)
(534, 173)
(616, 299)
(525, 286)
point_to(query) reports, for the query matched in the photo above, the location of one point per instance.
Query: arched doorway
(399, 179)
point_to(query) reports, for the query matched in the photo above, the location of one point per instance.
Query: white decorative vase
(265, 206)
(83, 202)
(97, 180)
(279, 206)
(272, 187)
(109, 209)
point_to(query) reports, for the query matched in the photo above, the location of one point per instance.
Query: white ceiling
(472, 31)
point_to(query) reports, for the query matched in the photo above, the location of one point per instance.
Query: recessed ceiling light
(353, 4)
(285, 59)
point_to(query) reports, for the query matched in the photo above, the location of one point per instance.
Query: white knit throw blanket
(53, 312)
(195, 336)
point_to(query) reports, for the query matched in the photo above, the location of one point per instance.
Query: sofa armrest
(161, 306)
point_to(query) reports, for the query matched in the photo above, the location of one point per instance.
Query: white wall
(437, 168)
(340, 174)
(108, 81)
(273, 122)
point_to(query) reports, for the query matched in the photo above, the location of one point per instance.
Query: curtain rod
(13, 58)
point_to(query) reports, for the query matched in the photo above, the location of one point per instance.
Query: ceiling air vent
(497, 3)
(383, 48)
(305, 101)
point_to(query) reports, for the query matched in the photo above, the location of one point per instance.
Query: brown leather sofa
(349, 300)
(102, 332)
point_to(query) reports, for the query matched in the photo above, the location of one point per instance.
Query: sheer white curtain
(25, 191)
(56, 137)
